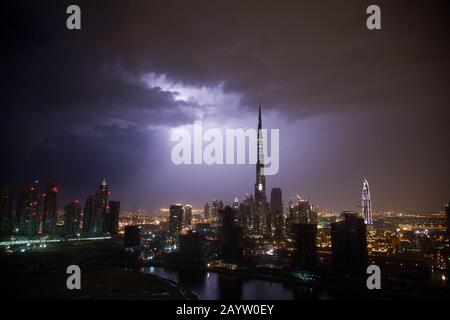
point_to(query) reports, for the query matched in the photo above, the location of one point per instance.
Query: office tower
(366, 203)
(245, 213)
(260, 185)
(175, 219)
(301, 211)
(236, 204)
(305, 235)
(206, 211)
(447, 216)
(101, 197)
(191, 246)
(290, 219)
(230, 236)
(187, 215)
(72, 218)
(95, 211)
(50, 207)
(215, 209)
(227, 217)
(27, 212)
(6, 219)
(132, 237)
(236, 210)
(88, 215)
(349, 246)
(276, 210)
(112, 220)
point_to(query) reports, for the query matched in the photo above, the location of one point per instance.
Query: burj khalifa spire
(260, 185)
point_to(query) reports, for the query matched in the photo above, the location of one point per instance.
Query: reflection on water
(215, 286)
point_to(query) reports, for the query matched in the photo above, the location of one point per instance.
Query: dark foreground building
(349, 246)
(191, 247)
(230, 235)
(305, 237)
(276, 211)
(132, 237)
(112, 218)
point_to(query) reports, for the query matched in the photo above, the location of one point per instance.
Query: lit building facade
(49, 209)
(175, 219)
(95, 211)
(27, 213)
(366, 203)
(72, 218)
(261, 212)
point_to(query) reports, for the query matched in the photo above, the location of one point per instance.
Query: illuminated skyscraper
(262, 214)
(72, 217)
(101, 197)
(27, 212)
(187, 215)
(215, 208)
(206, 211)
(366, 203)
(175, 219)
(245, 213)
(95, 211)
(300, 212)
(49, 215)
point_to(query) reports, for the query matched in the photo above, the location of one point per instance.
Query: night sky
(350, 103)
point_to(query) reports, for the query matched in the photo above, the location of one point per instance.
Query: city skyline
(226, 155)
(350, 103)
(262, 206)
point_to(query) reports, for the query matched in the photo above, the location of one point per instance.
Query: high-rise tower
(95, 211)
(49, 215)
(276, 210)
(27, 212)
(261, 212)
(366, 203)
(72, 217)
(176, 212)
(260, 185)
(349, 246)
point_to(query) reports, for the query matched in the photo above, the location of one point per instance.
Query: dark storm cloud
(75, 101)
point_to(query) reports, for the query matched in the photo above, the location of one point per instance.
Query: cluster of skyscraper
(255, 215)
(36, 213)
